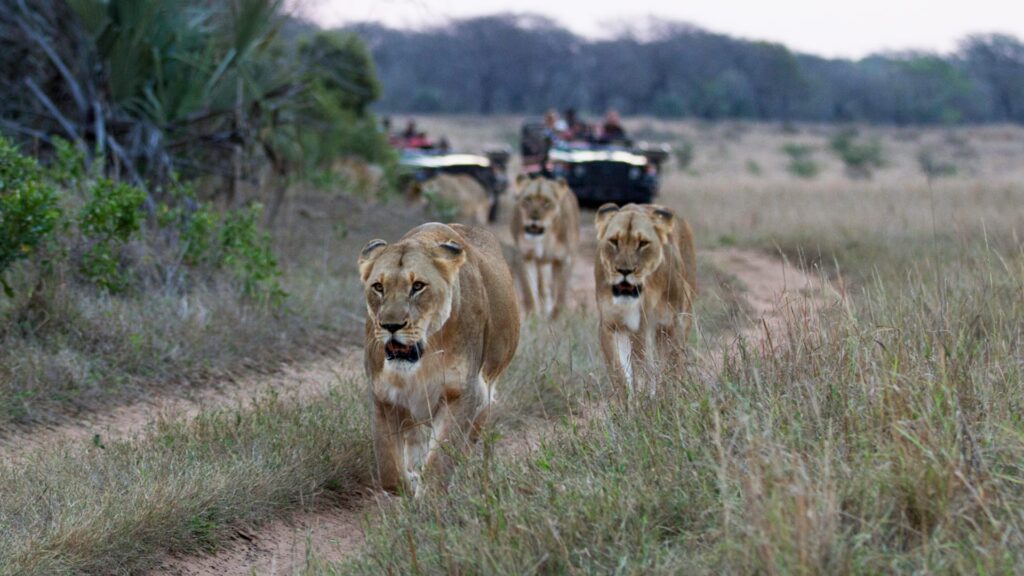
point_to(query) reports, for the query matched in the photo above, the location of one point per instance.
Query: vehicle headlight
(634, 173)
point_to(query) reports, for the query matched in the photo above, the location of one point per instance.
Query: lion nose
(626, 271)
(393, 327)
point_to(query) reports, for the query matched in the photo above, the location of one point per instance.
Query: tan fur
(467, 318)
(459, 190)
(644, 336)
(546, 258)
(365, 177)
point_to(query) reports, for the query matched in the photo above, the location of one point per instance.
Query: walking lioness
(546, 232)
(442, 325)
(645, 282)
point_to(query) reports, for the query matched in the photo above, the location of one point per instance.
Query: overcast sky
(849, 28)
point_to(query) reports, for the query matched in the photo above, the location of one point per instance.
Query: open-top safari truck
(598, 172)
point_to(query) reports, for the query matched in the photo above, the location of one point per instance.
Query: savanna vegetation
(179, 202)
(876, 429)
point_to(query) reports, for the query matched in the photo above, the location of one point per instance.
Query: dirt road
(283, 546)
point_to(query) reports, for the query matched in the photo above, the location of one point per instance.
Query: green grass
(885, 437)
(115, 506)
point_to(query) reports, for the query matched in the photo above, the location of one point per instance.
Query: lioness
(461, 194)
(546, 231)
(645, 280)
(442, 325)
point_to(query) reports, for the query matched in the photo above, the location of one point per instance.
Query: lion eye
(644, 243)
(614, 242)
(378, 287)
(417, 286)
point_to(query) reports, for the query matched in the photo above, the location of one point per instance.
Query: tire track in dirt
(292, 382)
(774, 291)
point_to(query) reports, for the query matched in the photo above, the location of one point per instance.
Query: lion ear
(368, 254)
(450, 256)
(604, 213)
(664, 221)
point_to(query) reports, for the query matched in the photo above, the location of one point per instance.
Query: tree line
(527, 63)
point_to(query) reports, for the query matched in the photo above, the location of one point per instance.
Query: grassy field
(883, 435)
(880, 433)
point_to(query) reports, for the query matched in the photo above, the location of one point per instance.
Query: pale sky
(849, 28)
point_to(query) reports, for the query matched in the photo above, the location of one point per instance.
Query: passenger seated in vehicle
(575, 129)
(410, 130)
(413, 138)
(612, 130)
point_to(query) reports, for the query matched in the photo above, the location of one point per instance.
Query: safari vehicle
(598, 172)
(490, 169)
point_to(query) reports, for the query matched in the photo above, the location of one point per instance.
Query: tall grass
(885, 436)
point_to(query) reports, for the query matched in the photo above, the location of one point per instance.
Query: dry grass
(87, 350)
(884, 435)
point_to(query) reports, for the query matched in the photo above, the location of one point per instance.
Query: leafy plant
(245, 250)
(801, 161)
(29, 209)
(107, 221)
(860, 158)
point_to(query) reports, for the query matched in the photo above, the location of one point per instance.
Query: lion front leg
(617, 351)
(531, 286)
(562, 273)
(386, 424)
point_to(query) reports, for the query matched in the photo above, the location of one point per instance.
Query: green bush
(245, 250)
(29, 209)
(801, 161)
(860, 158)
(68, 165)
(108, 220)
(233, 240)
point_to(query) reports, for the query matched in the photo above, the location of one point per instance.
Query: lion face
(538, 203)
(631, 244)
(409, 289)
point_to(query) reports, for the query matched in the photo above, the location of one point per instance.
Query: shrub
(68, 165)
(801, 161)
(860, 158)
(245, 250)
(29, 209)
(108, 220)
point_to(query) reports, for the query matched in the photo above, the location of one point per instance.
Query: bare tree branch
(76, 90)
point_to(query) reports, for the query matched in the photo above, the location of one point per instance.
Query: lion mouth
(533, 229)
(395, 351)
(626, 290)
